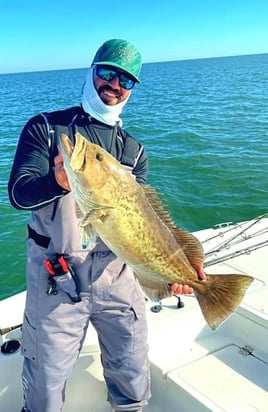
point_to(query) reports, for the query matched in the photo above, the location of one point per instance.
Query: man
(103, 289)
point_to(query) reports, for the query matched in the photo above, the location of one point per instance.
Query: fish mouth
(74, 156)
(66, 145)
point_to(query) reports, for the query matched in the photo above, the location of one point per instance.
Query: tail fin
(220, 295)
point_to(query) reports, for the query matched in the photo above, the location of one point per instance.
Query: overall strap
(131, 152)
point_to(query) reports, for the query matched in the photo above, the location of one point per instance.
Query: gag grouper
(132, 222)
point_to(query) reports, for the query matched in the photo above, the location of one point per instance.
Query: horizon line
(149, 62)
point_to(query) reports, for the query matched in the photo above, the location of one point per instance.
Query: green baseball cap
(121, 54)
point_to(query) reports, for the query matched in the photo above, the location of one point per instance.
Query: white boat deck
(194, 369)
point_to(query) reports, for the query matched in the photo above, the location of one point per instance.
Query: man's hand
(179, 289)
(60, 174)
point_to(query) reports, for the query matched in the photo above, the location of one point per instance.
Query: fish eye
(99, 157)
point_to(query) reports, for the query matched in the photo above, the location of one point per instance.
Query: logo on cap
(125, 53)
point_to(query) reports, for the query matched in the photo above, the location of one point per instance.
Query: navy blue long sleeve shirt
(32, 182)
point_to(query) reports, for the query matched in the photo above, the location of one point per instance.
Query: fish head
(94, 175)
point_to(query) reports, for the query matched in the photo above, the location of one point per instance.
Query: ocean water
(204, 124)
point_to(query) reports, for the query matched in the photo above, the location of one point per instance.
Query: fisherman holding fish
(72, 280)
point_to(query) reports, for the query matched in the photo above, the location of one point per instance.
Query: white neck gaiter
(94, 106)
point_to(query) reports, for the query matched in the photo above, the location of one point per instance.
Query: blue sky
(48, 35)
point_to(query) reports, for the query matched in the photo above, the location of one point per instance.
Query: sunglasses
(107, 74)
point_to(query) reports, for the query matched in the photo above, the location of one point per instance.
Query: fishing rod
(4, 331)
(232, 255)
(239, 237)
(233, 226)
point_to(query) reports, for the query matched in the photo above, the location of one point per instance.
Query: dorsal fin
(191, 247)
(158, 206)
(188, 242)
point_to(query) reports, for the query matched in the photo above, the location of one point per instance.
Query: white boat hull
(193, 368)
